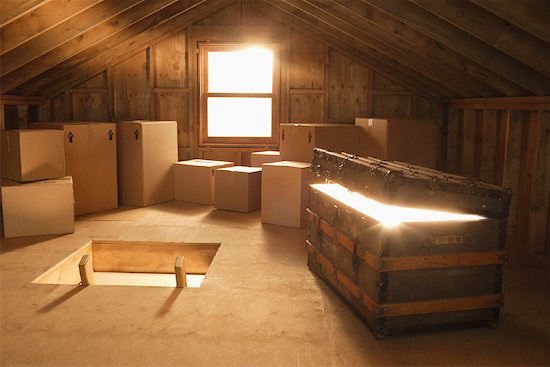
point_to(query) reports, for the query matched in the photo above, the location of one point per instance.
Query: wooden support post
(179, 269)
(86, 270)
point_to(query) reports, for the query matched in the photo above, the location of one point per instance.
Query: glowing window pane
(244, 71)
(390, 215)
(234, 117)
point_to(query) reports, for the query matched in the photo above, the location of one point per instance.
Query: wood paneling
(174, 106)
(509, 147)
(307, 107)
(230, 15)
(14, 9)
(90, 107)
(307, 62)
(170, 58)
(348, 84)
(130, 88)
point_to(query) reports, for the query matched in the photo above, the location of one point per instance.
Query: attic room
(233, 182)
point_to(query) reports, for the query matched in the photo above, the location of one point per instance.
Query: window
(239, 94)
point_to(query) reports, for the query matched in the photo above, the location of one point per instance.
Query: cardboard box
(285, 193)
(38, 208)
(30, 155)
(238, 188)
(410, 141)
(146, 152)
(269, 156)
(298, 140)
(194, 180)
(90, 157)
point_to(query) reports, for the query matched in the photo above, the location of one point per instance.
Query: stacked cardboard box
(37, 198)
(194, 180)
(146, 152)
(269, 156)
(404, 140)
(90, 156)
(238, 188)
(298, 140)
(285, 193)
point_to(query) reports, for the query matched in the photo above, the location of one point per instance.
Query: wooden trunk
(416, 276)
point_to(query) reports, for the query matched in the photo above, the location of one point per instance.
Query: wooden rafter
(351, 48)
(465, 44)
(195, 11)
(492, 30)
(422, 65)
(63, 32)
(94, 38)
(530, 15)
(38, 21)
(11, 10)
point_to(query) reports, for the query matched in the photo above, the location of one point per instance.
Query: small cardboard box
(30, 155)
(285, 193)
(410, 141)
(269, 156)
(38, 208)
(90, 156)
(238, 188)
(146, 151)
(298, 140)
(194, 180)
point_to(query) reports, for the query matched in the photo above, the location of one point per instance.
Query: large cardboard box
(238, 188)
(268, 156)
(30, 155)
(194, 180)
(298, 140)
(38, 207)
(90, 157)
(285, 193)
(404, 140)
(146, 152)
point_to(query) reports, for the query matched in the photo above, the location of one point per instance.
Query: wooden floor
(259, 305)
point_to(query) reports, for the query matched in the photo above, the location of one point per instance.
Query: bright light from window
(231, 117)
(389, 215)
(244, 71)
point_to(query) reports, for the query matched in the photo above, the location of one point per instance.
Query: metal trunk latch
(136, 134)
(283, 135)
(309, 136)
(110, 134)
(70, 136)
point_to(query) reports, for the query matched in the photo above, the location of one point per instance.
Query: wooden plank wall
(323, 86)
(506, 141)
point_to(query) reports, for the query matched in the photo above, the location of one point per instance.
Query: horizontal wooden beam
(22, 100)
(535, 103)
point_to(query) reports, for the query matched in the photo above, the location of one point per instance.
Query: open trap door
(157, 264)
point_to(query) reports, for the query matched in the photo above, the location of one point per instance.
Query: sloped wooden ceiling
(445, 48)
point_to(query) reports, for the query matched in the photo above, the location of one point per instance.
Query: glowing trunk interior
(389, 215)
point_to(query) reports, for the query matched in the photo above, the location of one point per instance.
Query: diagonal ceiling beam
(38, 21)
(345, 44)
(532, 16)
(67, 30)
(170, 25)
(94, 36)
(385, 27)
(10, 10)
(465, 44)
(456, 82)
(492, 30)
